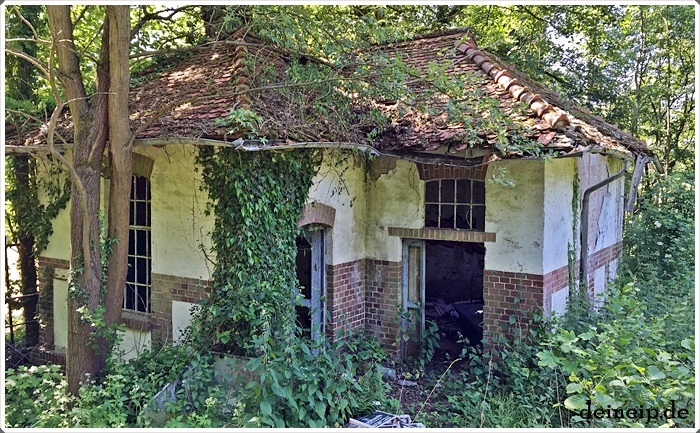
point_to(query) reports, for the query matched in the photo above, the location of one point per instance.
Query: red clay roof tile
(207, 81)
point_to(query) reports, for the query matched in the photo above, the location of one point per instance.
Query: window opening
(310, 275)
(137, 296)
(455, 204)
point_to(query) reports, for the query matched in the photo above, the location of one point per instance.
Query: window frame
(476, 200)
(133, 281)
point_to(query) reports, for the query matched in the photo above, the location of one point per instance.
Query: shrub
(306, 384)
(623, 364)
(36, 396)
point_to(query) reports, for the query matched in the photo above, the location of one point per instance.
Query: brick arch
(141, 165)
(317, 213)
(438, 171)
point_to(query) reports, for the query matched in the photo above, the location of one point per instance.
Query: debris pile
(379, 419)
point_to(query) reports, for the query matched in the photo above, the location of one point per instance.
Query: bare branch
(22, 113)
(82, 14)
(156, 16)
(25, 21)
(38, 41)
(34, 61)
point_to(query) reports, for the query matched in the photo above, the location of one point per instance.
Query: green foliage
(306, 384)
(660, 233)
(25, 214)
(122, 396)
(502, 388)
(241, 119)
(36, 396)
(257, 198)
(624, 363)
(637, 351)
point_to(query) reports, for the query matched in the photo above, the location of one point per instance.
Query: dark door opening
(309, 263)
(454, 292)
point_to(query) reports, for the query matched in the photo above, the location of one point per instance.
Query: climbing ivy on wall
(257, 199)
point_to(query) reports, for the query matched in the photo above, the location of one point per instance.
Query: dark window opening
(310, 277)
(455, 204)
(304, 277)
(137, 295)
(454, 292)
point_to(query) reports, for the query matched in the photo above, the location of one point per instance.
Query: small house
(441, 224)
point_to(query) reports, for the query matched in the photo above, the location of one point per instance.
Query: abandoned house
(424, 227)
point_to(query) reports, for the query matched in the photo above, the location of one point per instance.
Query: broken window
(455, 204)
(137, 295)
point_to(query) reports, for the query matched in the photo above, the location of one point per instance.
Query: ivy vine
(257, 200)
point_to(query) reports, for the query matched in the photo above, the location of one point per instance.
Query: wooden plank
(639, 164)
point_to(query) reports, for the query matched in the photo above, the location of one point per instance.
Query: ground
(423, 397)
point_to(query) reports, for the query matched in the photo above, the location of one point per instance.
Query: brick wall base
(164, 290)
(501, 289)
(345, 296)
(383, 301)
(508, 298)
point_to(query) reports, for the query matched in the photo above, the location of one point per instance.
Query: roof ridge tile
(553, 115)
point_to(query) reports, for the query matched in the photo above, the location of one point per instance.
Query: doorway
(311, 277)
(447, 280)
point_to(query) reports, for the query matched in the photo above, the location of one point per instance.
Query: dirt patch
(425, 394)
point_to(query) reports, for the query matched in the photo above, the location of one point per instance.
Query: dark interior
(304, 277)
(454, 292)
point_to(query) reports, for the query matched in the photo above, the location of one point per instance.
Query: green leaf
(616, 382)
(574, 388)
(266, 408)
(320, 408)
(575, 402)
(546, 359)
(654, 373)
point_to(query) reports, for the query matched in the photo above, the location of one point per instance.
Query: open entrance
(448, 279)
(311, 278)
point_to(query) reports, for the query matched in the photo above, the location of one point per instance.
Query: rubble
(379, 419)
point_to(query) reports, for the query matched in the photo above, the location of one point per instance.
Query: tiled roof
(208, 80)
(552, 121)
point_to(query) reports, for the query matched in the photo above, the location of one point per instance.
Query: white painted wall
(60, 314)
(348, 200)
(606, 204)
(515, 214)
(179, 225)
(558, 213)
(395, 199)
(559, 300)
(133, 343)
(182, 317)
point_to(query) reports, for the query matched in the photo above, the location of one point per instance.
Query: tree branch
(157, 17)
(34, 61)
(25, 21)
(38, 41)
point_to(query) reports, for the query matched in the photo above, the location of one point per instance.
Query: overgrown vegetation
(257, 199)
(300, 384)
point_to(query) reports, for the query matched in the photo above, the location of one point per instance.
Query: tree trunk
(119, 160)
(90, 136)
